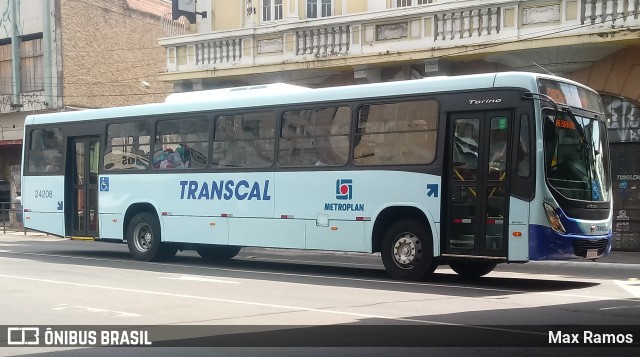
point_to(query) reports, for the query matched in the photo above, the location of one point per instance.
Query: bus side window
(181, 143)
(128, 146)
(297, 145)
(315, 137)
(332, 136)
(396, 133)
(244, 140)
(45, 154)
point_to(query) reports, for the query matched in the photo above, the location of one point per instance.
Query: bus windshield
(576, 156)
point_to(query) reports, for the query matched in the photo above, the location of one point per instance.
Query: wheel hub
(144, 237)
(406, 250)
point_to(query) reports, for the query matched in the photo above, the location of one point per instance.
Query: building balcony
(456, 30)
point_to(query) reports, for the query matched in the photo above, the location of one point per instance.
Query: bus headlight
(553, 219)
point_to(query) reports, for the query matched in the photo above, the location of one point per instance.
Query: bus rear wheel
(144, 241)
(472, 270)
(218, 252)
(407, 251)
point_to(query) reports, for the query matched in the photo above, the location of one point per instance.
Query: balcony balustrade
(444, 25)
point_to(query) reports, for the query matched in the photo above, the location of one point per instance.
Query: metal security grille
(580, 246)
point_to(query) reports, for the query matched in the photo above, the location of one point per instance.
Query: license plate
(592, 253)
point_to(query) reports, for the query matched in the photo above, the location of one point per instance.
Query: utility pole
(48, 53)
(15, 53)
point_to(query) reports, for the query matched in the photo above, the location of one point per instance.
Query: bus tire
(143, 238)
(218, 252)
(407, 250)
(472, 270)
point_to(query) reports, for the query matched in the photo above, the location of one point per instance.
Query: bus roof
(227, 93)
(246, 97)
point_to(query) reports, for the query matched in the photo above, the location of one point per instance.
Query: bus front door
(475, 206)
(82, 186)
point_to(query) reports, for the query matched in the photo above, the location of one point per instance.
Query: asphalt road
(264, 297)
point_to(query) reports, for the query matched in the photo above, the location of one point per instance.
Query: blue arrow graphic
(432, 190)
(59, 205)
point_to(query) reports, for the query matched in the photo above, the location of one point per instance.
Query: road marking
(630, 286)
(197, 278)
(260, 304)
(393, 282)
(12, 245)
(95, 310)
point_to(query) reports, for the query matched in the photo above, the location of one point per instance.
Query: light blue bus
(469, 171)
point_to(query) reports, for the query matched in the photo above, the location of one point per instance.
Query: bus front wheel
(143, 239)
(472, 270)
(218, 252)
(407, 251)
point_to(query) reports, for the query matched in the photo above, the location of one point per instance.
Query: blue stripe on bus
(545, 244)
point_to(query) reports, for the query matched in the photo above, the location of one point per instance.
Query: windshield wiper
(579, 127)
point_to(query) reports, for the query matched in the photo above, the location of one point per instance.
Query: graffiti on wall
(29, 101)
(6, 20)
(623, 118)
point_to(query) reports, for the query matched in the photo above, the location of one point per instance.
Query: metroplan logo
(344, 192)
(344, 189)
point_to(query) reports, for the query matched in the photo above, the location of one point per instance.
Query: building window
(31, 64)
(405, 3)
(5, 68)
(326, 7)
(271, 10)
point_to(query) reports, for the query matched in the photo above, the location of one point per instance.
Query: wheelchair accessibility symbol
(104, 184)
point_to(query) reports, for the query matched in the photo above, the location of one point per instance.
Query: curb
(596, 264)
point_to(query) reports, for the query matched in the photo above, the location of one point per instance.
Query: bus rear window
(45, 150)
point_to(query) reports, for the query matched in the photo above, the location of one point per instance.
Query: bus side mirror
(548, 130)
